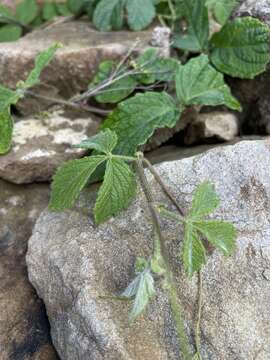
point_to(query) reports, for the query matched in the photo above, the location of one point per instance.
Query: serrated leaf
(207, 86)
(136, 119)
(10, 33)
(7, 97)
(26, 11)
(205, 200)
(140, 13)
(222, 9)
(117, 190)
(109, 15)
(155, 68)
(194, 255)
(198, 22)
(241, 48)
(104, 142)
(6, 129)
(220, 234)
(142, 288)
(41, 61)
(49, 10)
(70, 179)
(132, 288)
(118, 90)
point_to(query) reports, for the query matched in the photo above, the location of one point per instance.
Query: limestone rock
(222, 126)
(74, 65)
(161, 37)
(24, 328)
(72, 263)
(257, 8)
(41, 144)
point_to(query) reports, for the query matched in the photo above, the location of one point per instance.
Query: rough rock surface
(256, 8)
(74, 65)
(41, 144)
(24, 328)
(217, 125)
(72, 263)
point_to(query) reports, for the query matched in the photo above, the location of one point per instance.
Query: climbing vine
(146, 92)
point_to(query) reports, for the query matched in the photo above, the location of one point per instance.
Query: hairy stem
(172, 10)
(163, 186)
(160, 246)
(198, 325)
(67, 103)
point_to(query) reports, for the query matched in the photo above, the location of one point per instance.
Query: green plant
(27, 16)
(11, 97)
(115, 194)
(105, 15)
(239, 49)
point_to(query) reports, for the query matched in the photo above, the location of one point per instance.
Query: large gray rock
(24, 328)
(256, 8)
(41, 144)
(71, 263)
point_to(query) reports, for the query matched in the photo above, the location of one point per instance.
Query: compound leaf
(70, 179)
(104, 142)
(194, 254)
(136, 119)
(117, 190)
(26, 11)
(142, 290)
(41, 61)
(109, 15)
(140, 13)
(6, 129)
(118, 90)
(241, 48)
(220, 234)
(197, 17)
(205, 200)
(198, 83)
